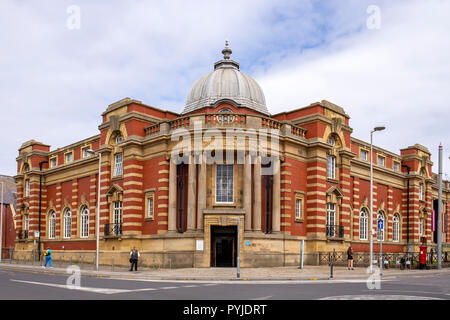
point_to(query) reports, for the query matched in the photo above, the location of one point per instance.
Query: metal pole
(381, 249)
(1, 226)
(238, 251)
(371, 201)
(439, 217)
(303, 249)
(98, 210)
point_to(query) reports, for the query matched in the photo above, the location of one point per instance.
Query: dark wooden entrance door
(223, 246)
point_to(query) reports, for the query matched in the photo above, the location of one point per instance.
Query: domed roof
(226, 82)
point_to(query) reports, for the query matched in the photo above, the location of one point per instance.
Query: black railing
(113, 229)
(22, 234)
(334, 231)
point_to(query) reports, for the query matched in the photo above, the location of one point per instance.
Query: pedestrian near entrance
(134, 257)
(48, 258)
(350, 258)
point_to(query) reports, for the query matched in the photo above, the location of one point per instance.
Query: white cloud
(56, 82)
(398, 76)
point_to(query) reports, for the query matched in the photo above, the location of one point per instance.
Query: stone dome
(226, 83)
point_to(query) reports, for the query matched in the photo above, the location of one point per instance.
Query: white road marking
(94, 290)
(378, 297)
(88, 289)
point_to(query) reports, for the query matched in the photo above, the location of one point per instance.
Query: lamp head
(379, 128)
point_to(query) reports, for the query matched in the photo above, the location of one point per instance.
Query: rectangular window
(69, 157)
(52, 162)
(381, 161)
(420, 227)
(298, 209)
(331, 219)
(331, 167)
(27, 188)
(363, 154)
(118, 164)
(421, 192)
(84, 152)
(224, 183)
(396, 166)
(117, 218)
(150, 207)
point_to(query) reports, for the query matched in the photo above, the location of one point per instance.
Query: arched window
(380, 233)
(331, 141)
(26, 225)
(51, 225)
(84, 227)
(225, 110)
(225, 118)
(67, 223)
(396, 228)
(363, 219)
(119, 138)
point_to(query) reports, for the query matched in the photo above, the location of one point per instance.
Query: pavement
(227, 274)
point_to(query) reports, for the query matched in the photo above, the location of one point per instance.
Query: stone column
(192, 184)
(248, 192)
(276, 196)
(257, 195)
(201, 192)
(172, 224)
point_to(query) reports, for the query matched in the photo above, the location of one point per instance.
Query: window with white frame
(421, 227)
(380, 233)
(117, 217)
(51, 225)
(396, 228)
(421, 191)
(331, 219)
(381, 161)
(27, 188)
(396, 166)
(363, 154)
(53, 162)
(118, 164)
(67, 223)
(84, 228)
(69, 157)
(85, 152)
(331, 167)
(26, 222)
(363, 224)
(150, 207)
(298, 209)
(224, 183)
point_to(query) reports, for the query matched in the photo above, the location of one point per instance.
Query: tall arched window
(380, 233)
(51, 225)
(396, 228)
(67, 223)
(363, 219)
(84, 223)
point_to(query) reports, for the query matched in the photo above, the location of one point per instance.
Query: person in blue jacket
(48, 258)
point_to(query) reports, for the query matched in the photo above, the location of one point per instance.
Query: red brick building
(9, 212)
(166, 188)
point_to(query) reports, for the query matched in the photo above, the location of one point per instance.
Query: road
(24, 285)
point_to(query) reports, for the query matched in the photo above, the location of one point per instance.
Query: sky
(385, 62)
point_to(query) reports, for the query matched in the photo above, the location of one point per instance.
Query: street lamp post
(98, 207)
(40, 208)
(371, 194)
(238, 251)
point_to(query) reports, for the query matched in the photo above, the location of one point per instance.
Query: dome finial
(226, 51)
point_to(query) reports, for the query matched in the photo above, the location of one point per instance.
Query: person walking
(48, 258)
(134, 257)
(350, 258)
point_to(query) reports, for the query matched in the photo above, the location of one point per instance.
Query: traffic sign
(380, 224)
